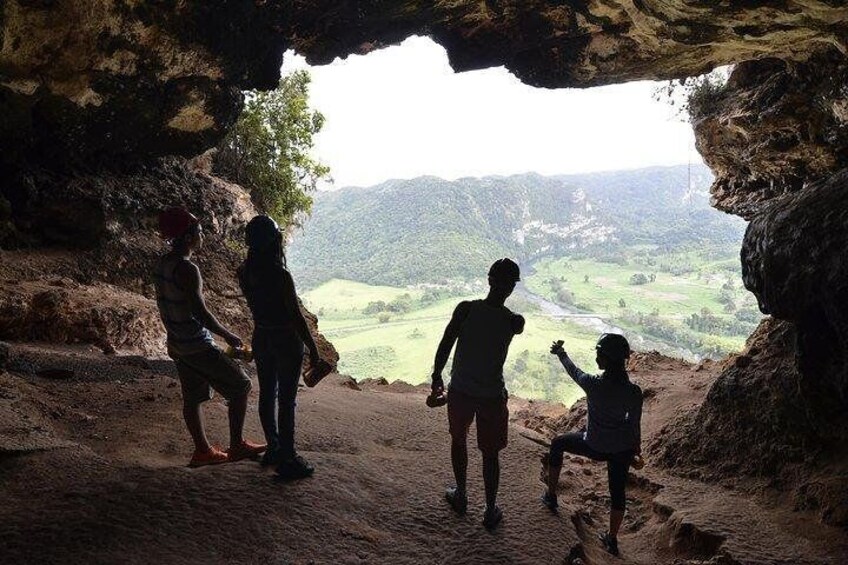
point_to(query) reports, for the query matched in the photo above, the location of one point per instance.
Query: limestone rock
(103, 230)
(105, 80)
(4, 354)
(776, 127)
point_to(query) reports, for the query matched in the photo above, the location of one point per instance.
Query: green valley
(401, 346)
(640, 252)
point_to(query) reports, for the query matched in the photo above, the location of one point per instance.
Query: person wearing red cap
(201, 364)
(482, 331)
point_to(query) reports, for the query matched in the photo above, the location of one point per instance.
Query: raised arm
(188, 277)
(448, 339)
(582, 379)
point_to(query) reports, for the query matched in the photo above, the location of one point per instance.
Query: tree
(268, 150)
(638, 278)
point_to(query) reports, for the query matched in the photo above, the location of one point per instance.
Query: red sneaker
(245, 450)
(214, 456)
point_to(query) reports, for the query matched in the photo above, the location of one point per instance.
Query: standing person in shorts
(482, 330)
(201, 364)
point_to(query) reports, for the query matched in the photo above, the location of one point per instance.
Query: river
(598, 324)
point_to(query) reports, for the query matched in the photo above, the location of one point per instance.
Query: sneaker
(457, 500)
(272, 456)
(294, 469)
(492, 517)
(610, 543)
(550, 502)
(213, 456)
(245, 450)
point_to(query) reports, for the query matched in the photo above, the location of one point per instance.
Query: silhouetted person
(280, 331)
(613, 432)
(483, 330)
(201, 365)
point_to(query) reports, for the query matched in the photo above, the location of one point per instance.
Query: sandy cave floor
(92, 468)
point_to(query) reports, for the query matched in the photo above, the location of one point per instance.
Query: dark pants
(617, 463)
(278, 356)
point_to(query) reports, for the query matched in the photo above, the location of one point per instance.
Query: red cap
(175, 222)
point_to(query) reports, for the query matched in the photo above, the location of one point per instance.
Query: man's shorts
(492, 417)
(210, 369)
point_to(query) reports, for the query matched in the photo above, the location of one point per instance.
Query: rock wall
(91, 81)
(77, 263)
(777, 126)
(777, 137)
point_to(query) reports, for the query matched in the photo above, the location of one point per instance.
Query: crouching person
(613, 432)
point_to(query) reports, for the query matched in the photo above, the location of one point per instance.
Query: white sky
(402, 112)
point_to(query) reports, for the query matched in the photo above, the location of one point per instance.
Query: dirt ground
(93, 458)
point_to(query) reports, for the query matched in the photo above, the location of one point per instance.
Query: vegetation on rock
(268, 151)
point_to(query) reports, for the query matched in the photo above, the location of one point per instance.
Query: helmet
(261, 231)
(175, 223)
(505, 270)
(613, 347)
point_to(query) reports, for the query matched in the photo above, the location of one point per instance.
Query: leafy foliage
(694, 96)
(638, 279)
(268, 150)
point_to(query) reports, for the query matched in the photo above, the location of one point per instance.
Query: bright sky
(402, 112)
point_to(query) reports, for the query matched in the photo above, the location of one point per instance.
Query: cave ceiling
(97, 80)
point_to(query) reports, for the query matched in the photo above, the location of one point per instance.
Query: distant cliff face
(451, 230)
(91, 81)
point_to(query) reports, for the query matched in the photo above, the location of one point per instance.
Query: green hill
(429, 230)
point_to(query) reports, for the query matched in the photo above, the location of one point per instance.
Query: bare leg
(491, 479)
(459, 459)
(194, 422)
(616, 517)
(236, 411)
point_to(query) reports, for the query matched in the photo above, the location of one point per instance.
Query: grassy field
(400, 344)
(403, 346)
(684, 285)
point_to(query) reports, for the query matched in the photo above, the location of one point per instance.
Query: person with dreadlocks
(613, 429)
(201, 364)
(280, 331)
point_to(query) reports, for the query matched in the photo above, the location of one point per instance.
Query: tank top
(481, 351)
(264, 287)
(186, 334)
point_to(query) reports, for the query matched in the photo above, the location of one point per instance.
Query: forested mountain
(430, 230)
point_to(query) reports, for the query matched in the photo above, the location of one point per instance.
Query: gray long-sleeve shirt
(614, 409)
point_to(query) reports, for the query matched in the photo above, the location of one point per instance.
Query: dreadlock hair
(269, 256)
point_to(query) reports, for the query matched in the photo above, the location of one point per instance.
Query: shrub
(638, 279)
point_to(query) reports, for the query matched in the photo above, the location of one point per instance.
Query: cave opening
(106, 110)
(599, 194)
